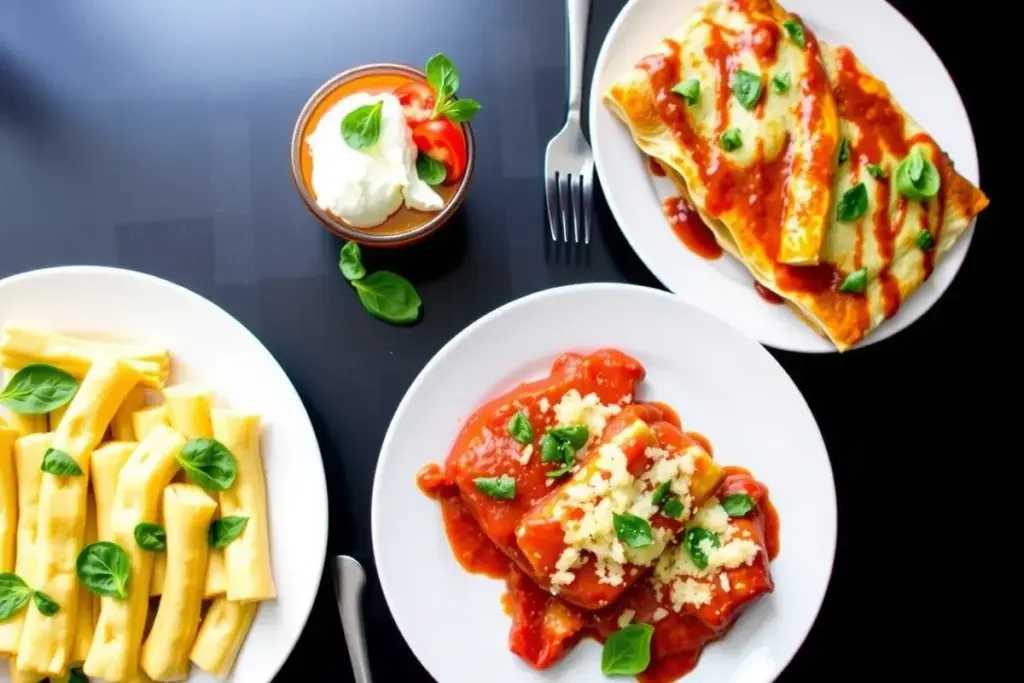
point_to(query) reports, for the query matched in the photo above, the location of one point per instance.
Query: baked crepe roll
(107, 461)
(28, 458)
(23, 424)
(123, 427)
(21, 345)
(8, 499)
(143, 421)
(188, 511)
(247, 558)
(114, 654)
(221, 636)
(188, 411)
(46, 641)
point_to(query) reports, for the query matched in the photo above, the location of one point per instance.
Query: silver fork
(569, 163)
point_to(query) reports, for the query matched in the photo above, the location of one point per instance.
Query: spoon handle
(349, 580)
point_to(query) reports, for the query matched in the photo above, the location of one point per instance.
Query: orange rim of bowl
(336, 225)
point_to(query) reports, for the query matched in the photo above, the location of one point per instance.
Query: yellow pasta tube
(85, 621)
(56, 416)
(20, 676)
(221, 636)
(28, 457)
(107, 461)
(8, 500)
(114, 654)
(143, 421)
(247, 559)
(123, 426)
(216, 574)
(23, 424)
(46, 641)
(188, 511)
(21, 345)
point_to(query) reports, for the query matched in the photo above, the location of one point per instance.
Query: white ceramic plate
(723, 385)
(890, 47)
(210, 346)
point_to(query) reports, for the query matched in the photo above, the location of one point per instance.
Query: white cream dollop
(364, 187)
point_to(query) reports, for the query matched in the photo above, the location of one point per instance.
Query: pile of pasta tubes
(134, 538)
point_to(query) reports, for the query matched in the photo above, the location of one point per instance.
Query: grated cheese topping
(587, 410)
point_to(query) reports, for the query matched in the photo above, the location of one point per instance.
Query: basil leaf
(746, 86)
(430, 170)
(852, 204)
(627, 651)
(225, 530)
(38, 389)
(389, 297)
(781, 82)
(76, 675)
(564, 469)
(689, 90)
(916, 177)
(692, 543)
(795, 31)
(361, 126)
(731, 140)
(737, 504)
(632, 530)
(443, 78)
(104, 569)
(14, 595)
(855, 282)
(844, 150)
(350, 262)
(502, 488)
(460, 111)
(876, 172)
(46, 605)
(520, 429)
(551, 449)
(661, 493)
(673, 508)
(60, 464)
(925, 241)
(575, 435)
(151, 537)
(208, 463)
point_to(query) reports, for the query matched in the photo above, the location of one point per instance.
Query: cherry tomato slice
(442, 140)
(417, 100)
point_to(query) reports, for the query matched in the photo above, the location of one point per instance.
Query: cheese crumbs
(587, 410)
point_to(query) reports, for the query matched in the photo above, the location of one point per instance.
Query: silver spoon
(349, 580)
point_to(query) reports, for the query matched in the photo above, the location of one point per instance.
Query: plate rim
(889, 328)
(93, 270)
(452, 345)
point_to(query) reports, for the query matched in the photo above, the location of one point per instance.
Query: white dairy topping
(364, 187)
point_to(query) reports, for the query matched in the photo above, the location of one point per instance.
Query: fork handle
(579, 14)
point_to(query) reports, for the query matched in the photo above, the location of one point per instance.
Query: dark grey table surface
(154, 136)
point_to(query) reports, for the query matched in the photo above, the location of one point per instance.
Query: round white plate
(723, 385)
(887, 44)
(209, 346)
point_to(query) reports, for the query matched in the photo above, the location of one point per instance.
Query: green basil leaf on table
(38, 389)
(60, 464)
(388, 296)
(781, 82)
(737, 504)
(876, 172)
(661, 493)
(692, 542)
(208, 463)
(351, 262)
(916, 177)
(460, 111)
(855, 282)
(925, 241)
(844, 150)
(361, 127)
(795, 30)
(225, 530)
(673, 508)
(575, 435)
(689, 90)
(519, 428)
(46, 605)
(150, 536)
(852, 204)
(430, 170)
(501, 488)
(731, 140)
(746, 86)
(627, 652)
(634, 531)
(14, 595)
(104, 569)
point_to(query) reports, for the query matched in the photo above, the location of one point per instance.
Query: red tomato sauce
(690, 228)
(481, 529)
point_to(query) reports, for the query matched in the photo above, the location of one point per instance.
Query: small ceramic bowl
(405, 226)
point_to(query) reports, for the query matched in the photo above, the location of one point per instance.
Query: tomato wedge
(443, 141)
(417, 100)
